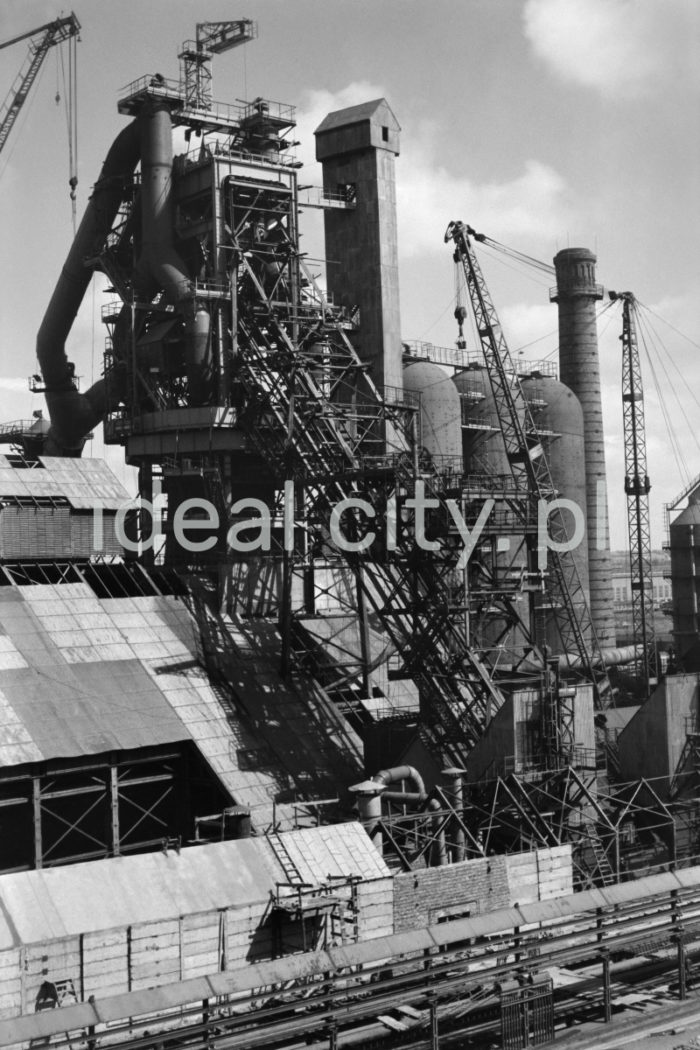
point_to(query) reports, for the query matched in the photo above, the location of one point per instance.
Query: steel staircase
(325, 429)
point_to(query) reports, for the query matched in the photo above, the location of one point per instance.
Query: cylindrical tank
(576, 294)
(484, 453)
(557, 414)
(685, 578)
(482, 441)
(441, 425)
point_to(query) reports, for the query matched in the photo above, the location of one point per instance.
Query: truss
(637, 487)
(530, 468)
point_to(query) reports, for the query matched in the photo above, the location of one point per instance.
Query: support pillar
(369, 802)
(607, 1004)
(682, 962)
(36, 804)
(434, 1025)
(453, 775)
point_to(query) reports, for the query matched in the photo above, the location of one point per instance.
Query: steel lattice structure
(529, 465)
(637, 486)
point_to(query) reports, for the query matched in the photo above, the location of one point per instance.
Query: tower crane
(43, 38)
(212, 38)
(528, 462)
(637, 487)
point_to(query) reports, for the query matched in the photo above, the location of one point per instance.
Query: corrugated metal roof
(293, 967)
(84, 483)
(80, 675)
(54, 903)
(341, 849)
(342, 118)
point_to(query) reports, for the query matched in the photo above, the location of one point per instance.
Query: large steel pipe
(160, 266)
(73, 414)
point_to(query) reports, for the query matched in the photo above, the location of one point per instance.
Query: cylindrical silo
(505, 555)
(576, 294)
(440, 420)
(482, 440)
(558, 416)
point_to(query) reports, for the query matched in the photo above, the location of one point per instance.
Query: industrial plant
(326, 736)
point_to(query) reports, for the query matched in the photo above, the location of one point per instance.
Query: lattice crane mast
(529, 463)
(637, 487)
(42, 40)
(212, 38)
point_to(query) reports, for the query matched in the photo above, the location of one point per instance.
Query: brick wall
(472, 886)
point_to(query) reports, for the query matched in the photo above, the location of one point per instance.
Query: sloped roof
(81, 675)
(85, 483)
(54, 903)
(378, 108)
(690, 515)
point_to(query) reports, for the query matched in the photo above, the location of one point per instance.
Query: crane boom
(528, 462)
(53, 33)
(213, 38)
(637, 487)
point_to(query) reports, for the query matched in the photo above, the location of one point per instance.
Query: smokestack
(576, 294)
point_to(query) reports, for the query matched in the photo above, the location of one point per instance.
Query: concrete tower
(357, 147)
(576, 293)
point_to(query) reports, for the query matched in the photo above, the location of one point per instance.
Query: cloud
(535, 204)
(531, 330)
(13, 384)
(317, 103)
(620, 48)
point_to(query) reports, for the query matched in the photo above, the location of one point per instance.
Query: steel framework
(431, 985)
(289, 379)
(54, 33)
(212, 38)
(637, 486)
(530, 467)
(98, 807)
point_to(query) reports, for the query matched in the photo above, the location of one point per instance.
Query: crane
(43, 38)
(637, 487)
(529, 464)
(212, 39)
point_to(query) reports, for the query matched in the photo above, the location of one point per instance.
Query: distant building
(622, 595)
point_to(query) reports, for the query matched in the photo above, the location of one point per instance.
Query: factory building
(335, 695)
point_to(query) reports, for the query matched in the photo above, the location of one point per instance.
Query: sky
(545, 124)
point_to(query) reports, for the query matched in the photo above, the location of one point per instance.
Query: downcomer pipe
(160, 265)
(72, 414)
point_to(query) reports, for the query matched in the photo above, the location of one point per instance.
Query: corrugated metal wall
(146, 955)
(54, 532)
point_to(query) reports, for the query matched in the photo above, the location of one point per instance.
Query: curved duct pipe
(397, 773)
(160, 265)
(607, 657)
(72, 414)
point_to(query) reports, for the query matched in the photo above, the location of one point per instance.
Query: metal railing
(456, 357)
(596, 291)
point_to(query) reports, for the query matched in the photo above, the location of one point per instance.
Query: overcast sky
(543, 123)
